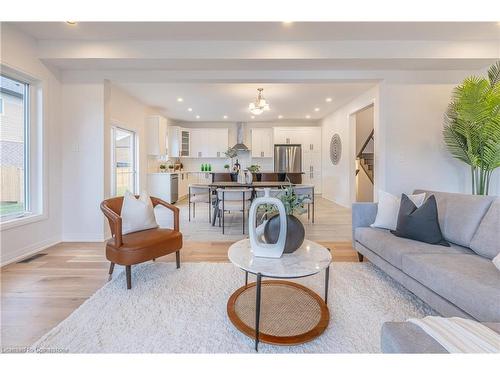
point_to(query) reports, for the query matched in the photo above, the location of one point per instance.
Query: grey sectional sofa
(460, 280)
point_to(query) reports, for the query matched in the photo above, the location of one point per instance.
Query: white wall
(339, 180)
(409, 148)
(19, 53)
(416, 154)
(82, 161)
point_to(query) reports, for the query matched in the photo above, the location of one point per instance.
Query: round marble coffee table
(276, 311)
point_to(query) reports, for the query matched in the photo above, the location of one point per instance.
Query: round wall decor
(335, 149)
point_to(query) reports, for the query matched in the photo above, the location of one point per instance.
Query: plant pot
(294, 235)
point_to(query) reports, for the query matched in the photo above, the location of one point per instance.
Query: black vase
(294, 235)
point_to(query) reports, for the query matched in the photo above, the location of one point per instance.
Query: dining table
(213, 186)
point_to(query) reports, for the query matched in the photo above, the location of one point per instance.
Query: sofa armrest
(363, 214)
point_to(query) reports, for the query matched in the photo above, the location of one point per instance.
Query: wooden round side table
(280, 312)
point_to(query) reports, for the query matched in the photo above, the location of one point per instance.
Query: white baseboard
(83, 237)
(28, 251)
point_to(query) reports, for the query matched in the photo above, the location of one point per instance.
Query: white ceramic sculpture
(241, 177)
(259, 247)
(248, 177)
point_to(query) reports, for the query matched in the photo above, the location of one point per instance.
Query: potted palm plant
(472, 127)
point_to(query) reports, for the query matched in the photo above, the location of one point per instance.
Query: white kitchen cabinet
(185, 144)
(311, 166)
(174, 142)
(262, 143)
(183, 184)
(208, 143)
(311, 140)
(156, 135)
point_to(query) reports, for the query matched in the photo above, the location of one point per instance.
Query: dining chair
(308, 192)
(198, 193)
(233, 200)
(138, 247)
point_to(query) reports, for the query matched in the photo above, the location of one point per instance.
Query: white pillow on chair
(137, 214)
(388, 209)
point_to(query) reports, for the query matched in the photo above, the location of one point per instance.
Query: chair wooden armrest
(115, 223)
(174, 209)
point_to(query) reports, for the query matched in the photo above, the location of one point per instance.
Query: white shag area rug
(184, 311)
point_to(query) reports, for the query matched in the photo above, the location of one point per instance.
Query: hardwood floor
(37, 295)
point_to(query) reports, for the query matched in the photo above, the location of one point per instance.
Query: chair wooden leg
(128, 270)
(111, 269)
(313, 212)
(178, 259)
(360, 257)
(308, 211)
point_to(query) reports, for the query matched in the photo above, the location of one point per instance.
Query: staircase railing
(360, 156)
(368, 139)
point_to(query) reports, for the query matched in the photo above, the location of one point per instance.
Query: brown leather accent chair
(269, 177)
(138, 247)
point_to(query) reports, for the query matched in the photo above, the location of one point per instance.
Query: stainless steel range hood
(240, 133)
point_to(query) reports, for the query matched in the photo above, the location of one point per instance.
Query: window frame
(36, 156)
(26, 151)
(135, 157)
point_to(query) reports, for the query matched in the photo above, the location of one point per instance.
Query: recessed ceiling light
(190, 109)
(71, 22)
(180, 100)
(252, 116)
(287, 22)
(308, 116)
(280, 116)
(316, 109)
(197, 116)
(225, 116)
(328, 100)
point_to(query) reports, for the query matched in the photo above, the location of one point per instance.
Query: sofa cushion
(486, 240)
(392, 248)
(460, 214)
(470, 282)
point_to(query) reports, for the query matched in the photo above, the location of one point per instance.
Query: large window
(124, 167)
(14, 148)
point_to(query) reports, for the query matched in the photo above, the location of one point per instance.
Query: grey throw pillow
(419, 223)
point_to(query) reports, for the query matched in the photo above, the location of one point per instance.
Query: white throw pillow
(137, 214)
(496, 261)
(388, 209)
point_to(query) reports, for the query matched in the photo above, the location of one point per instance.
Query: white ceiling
(212, 101)
(263, 31)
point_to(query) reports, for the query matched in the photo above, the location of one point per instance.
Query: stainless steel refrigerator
(288, 158)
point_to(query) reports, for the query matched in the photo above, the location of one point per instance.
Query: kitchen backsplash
(194, 164)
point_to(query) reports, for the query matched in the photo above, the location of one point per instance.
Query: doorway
(365, 152)
(124, 161)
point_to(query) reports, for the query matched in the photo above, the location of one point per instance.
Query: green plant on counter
(163, 167)
(254, 168)
(226, 166)
(472, 127)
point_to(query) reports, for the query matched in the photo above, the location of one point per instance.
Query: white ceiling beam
(57, 49)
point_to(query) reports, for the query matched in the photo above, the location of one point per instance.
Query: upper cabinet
(262, 143)
(208, 143)
(309, 137)
(156, 135)
(174, 143)
(185, 142)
